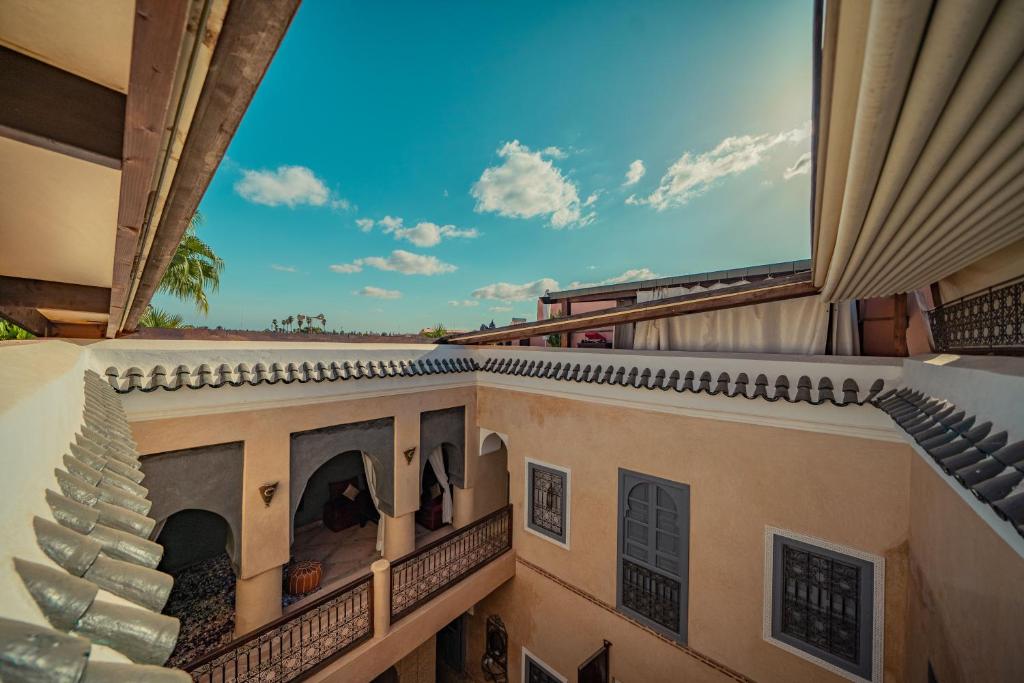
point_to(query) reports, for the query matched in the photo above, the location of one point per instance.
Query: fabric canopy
(793, 326)
(436, 460)
(919, 166)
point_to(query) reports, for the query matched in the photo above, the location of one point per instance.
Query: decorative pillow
(435, 490)
(351, 492)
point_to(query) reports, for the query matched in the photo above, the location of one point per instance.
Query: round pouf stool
(304, 577)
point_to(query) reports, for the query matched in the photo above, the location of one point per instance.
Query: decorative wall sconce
(409, 453)
(267, 492)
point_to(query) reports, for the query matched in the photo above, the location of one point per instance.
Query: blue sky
(405, 164)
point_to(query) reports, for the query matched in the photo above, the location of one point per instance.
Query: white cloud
(465, 303)
(527, 185)
(423, 234)
(289, 185)
(400, 261)
(555, 152)
(283, 269)
(693, 174)
(635, 173)
(504, 291)
(801, 166)
(630, 275)
(501, 309)
(379, 293)
(592, 198)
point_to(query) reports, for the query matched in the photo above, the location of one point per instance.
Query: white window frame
(527, 490)
(550, 669)
(877, 600)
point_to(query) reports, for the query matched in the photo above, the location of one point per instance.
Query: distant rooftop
(732, 275)
(208, 334)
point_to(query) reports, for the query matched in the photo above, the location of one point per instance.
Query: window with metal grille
(547, 491)
(654, 541)
(822, 604)
(535, 671)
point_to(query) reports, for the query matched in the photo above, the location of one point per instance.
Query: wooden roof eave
(778, 289)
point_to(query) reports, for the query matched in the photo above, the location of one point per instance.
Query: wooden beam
(249, 38)
(778, 289)
(78, 330)
(59, 111)
(899, 325)
(27, 319)
(26, 293)
(156, 41)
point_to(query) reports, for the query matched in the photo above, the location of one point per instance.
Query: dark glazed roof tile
(976, 458)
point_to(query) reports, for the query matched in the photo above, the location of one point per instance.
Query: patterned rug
(203, 598)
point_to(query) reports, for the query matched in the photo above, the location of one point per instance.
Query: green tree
(157, 317)
(194, 269)
(436, 332)
(12, 331)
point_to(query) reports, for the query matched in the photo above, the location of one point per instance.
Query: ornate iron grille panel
(434, 568)
(991, 320)
(821, 602)
(547, 500)
(535, 673)
(651, 594)
(297, 644)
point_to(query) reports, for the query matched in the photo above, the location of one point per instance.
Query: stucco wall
(438, 427)
(267, 437)
(966, 590)
(206, 478)
(491, 489)
(742, 478)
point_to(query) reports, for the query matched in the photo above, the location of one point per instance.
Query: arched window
(654, 538)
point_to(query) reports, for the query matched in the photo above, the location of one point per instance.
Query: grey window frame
(864, 668)
(529, 657)
(681, 491)
(565, 474)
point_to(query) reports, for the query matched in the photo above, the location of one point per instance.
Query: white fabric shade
(793, 326)
(371, 484)
(920, 154)
(436, 461)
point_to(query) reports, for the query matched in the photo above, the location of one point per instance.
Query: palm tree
(287, 322)
(157, 317)
(194, 268)
(274, 323)
(437, 332)
(300, 318)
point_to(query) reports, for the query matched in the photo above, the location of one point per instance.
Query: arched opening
(435, 487)
(196, 545)
(492, 478)
(335, 532)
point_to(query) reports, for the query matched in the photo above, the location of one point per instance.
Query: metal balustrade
(988, 321)
(297, 644)
(429, 571)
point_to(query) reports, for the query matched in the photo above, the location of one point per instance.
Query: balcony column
(257, 600)
(463, 511)
(399, 535)
(381, 603)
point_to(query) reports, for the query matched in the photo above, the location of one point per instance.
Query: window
(654, 546)
(822, 604)
(536, 671)
(547, 501)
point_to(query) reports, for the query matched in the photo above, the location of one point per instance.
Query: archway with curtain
(336, 524)
(436, 501)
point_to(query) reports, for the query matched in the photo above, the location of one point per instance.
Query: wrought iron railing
(429, 571)
(651, 594)
(989, 321)
(297, 644)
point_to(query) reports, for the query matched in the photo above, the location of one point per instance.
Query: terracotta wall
(742, 478)
(966, 590)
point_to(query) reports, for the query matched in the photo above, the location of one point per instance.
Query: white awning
(920, 151)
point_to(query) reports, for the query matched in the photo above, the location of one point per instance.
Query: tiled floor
(344, 554)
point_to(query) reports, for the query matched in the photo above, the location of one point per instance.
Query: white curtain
(845, 331)
(371, 484)
(793, 326)
(436, 460)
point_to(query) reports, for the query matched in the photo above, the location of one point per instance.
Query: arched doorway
(435, 487)
(196, 553)
(335, 523)
(492, 479)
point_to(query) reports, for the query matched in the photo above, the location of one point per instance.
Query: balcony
(364, 613)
